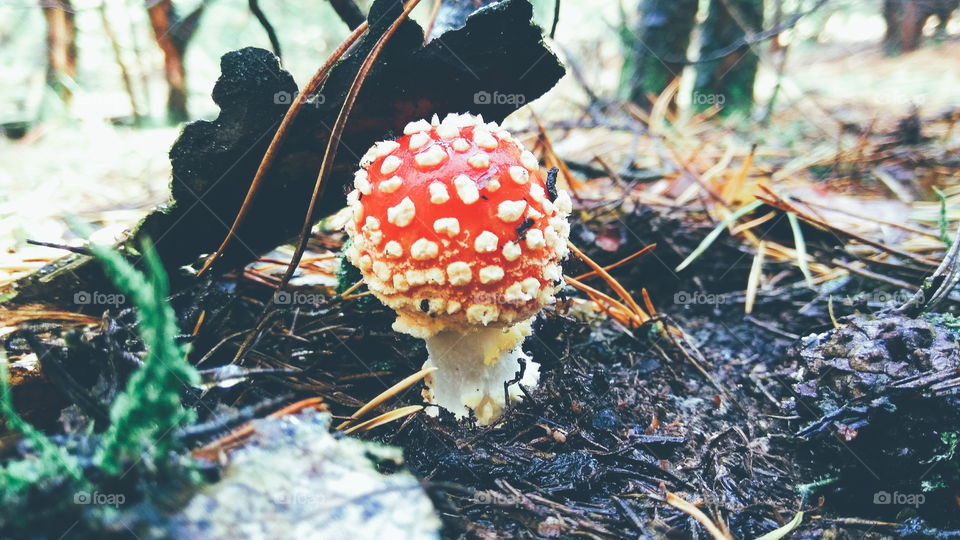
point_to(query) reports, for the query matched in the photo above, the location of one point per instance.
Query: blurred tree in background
(726, 71)
(906, 19)
(728, 38)
(719, 40)
(61, 46)
(662, 36)
(173, 34)
(727, 81)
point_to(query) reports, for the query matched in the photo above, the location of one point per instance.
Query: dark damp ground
(623, 416)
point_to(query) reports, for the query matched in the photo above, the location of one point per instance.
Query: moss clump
(52, 484)
(145, 415)
(51, 471)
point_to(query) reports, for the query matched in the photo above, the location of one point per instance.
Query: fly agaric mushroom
(455, 227)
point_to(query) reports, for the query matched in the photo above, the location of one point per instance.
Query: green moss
(49, 471)
(43, 488)
(145, 415)
(945, 319)
(950, 455)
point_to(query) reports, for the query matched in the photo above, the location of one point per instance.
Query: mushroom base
(473, 368)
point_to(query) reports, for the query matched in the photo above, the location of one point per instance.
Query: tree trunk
(173, 35)
(905, 21)
(61, 46)
(727, 82)
(659, 54)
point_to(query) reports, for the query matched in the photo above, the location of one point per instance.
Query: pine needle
(781, 532)
(695, 513)
(613, 283)
(278, 137)
(756, 274)
(753, 223)
(715, 233)
(621, 262)
(735, 190)
(607, 304)
(801, 248)
(351, 288)
(407, 382)
(943, 220)
(385, 418)
(833, 318)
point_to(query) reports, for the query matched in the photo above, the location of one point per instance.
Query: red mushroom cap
(453, 226)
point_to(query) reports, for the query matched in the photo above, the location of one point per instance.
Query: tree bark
(61, 46)
(663, 35)
(173, 34)
(727, 82)
(905, 21)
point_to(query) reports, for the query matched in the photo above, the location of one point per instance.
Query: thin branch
(556, 18)
(349, 12)
(267, 27)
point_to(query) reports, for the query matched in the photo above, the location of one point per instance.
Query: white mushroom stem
(473, 366)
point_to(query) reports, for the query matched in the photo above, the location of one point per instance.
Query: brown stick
(434, 11)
